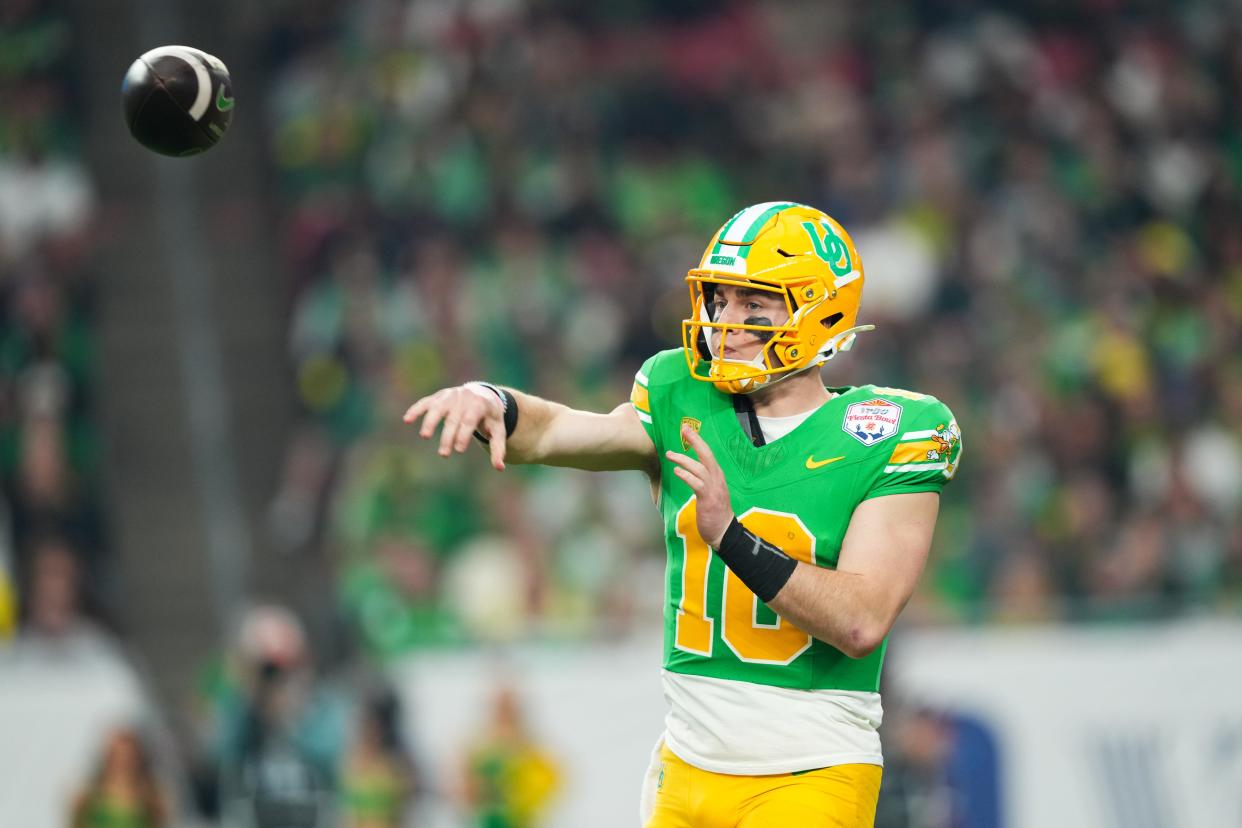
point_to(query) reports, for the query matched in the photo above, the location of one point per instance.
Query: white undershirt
(738, 727)
(774, 428)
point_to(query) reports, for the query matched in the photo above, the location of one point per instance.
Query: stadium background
(203, 364)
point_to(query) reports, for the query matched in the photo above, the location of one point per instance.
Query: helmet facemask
(777, 342)
(790, 251)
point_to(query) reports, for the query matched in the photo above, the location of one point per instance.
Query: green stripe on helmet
(738, 229)
(763, 219)
(758, 224)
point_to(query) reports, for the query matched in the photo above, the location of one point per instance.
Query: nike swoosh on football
(812, 463)
(222, 103)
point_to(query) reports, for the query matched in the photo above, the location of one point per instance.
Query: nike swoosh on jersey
(812, 463)
(223, 102)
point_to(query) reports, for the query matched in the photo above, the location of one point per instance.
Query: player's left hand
(705, 477)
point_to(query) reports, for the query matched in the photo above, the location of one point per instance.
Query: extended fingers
(706, 466)
(469, 423)
(459, 425)
(688, 463)
(696, 484)
(435, 412)
(451, 408)
(699, 445)
(417, 410)
(448, 437)
(497, 445)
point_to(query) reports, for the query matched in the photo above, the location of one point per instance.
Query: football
(178, 100)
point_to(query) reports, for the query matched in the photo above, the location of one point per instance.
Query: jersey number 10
(750, 639)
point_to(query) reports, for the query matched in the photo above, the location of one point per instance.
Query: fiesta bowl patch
(872, 421)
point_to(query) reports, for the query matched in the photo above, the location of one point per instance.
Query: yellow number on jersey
(750, 639)
(694, 628)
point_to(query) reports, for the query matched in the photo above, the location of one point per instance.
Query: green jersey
(799, 493)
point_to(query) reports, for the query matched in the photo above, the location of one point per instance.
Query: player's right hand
(463, 409)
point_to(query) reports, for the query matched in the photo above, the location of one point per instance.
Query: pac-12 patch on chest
(872, 421)
(689, 422)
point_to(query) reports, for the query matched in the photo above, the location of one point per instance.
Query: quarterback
(797, 520)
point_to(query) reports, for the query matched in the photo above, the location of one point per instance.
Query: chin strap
(838, 344)
(842, 342)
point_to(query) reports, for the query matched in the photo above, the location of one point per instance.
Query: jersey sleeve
(926, 455)
(640, 398)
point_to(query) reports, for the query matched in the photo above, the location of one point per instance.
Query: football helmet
(796, 252)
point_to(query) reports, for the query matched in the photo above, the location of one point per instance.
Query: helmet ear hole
(829, 321)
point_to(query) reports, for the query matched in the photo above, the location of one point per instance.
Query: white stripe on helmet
(741, 226)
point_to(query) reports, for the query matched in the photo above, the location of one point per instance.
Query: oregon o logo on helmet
(830, 247)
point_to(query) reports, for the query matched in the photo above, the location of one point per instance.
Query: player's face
(738, 305)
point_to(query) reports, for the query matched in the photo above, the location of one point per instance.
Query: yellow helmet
(789, 249)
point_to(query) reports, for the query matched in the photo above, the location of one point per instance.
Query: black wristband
(508, 402)
(511, 412)
(762, 566)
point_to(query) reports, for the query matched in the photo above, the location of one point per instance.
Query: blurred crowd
(1045, 201)
(286, 745)
(62, 669)
(51, 518)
